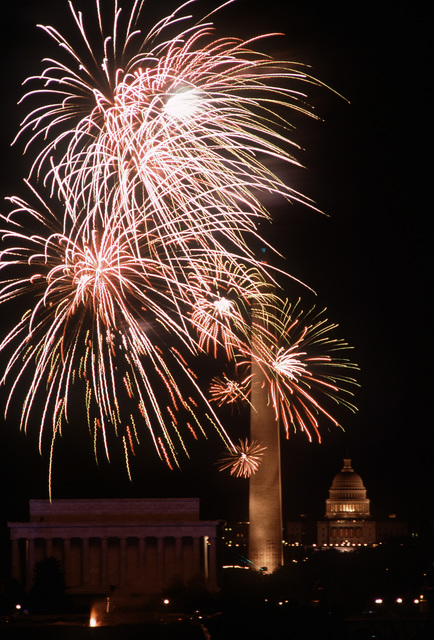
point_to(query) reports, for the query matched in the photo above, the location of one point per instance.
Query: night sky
(368, 259)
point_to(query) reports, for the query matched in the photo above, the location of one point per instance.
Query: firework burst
(243, 460)
(155, 151)
(99, 321)
(229, 390)
(298, 355)
(222, 295)
(185, 124)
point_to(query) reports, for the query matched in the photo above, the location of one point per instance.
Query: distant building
(392, 528)
(348, 514)
(302, 531)
(141, 545)
(348, 521)
(235, 541)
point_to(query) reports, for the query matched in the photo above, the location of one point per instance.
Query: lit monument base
(265, 497)
(265, 494)
(265, 515)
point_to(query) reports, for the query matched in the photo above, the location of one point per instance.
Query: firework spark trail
(229, 390)
(186, 120)
(155, 152)
(222, 297)
(296, 353)
(244, 460)
(91, 297)
(128, 143)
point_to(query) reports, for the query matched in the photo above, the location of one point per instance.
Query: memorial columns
(15, 561)
(122, 561)
(104, 562)
(30, 563)
(179, 565)
(160, 561)
(85, 561)
(212, 563)
(48, 547)
(142, 555)
(196, 555)
(107, 542)
(67, 560)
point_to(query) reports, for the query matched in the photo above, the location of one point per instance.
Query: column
(160, 562)
(67, 560)
(30, 563)
(178, 557)
(48, 548)
(122, 561)
(142, 555)
(212, 564)
(104, 562)
(15, 561)
(85, 561)
(205, 541)
(196, 555)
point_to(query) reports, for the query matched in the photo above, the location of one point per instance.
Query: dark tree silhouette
(48, 592)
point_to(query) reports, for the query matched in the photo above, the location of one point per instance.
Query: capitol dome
(347, 495)
(347, 478)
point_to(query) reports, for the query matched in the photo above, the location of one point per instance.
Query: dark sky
(369, 259)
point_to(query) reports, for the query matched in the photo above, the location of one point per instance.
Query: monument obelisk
(265, 493)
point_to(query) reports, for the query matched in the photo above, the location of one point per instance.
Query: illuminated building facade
(348, 522)
(140, 545)
(348, 514)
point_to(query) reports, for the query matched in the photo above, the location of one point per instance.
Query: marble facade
(141, 545)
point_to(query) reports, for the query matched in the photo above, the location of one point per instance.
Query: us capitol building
(348, 521)
(347, 524)
(347, 511)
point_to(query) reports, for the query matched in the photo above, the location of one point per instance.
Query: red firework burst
(243, 460)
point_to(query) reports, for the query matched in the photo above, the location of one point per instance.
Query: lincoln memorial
(140, 545)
